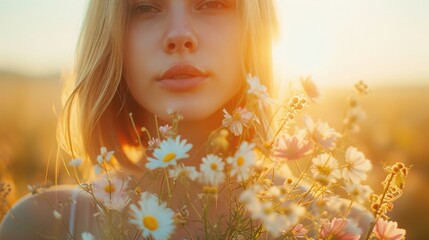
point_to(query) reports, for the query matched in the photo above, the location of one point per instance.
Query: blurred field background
(396, 129)
(384, 43)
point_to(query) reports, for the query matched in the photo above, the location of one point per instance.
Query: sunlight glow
(339, 42)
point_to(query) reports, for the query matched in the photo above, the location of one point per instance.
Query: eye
(212, 4)
(144, 9)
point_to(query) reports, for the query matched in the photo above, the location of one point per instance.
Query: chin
(193, 112)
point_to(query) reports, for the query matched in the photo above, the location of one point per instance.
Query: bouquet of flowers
(298, 180)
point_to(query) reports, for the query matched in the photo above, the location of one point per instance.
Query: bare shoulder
(58, 212)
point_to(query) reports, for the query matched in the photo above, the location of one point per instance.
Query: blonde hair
(93, 112)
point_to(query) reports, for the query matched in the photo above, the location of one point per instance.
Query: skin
(202, 33)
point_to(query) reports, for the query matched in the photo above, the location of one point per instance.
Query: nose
(180, 37)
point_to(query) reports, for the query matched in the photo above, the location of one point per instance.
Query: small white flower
(356, 167)
(277, 223)
(111, 192)
(294, 213)
(183, 171)
(168, 153)
(165, 131)
(212, 170)
(358, 192)
(325, 169)
(153, 218)
(321, 133)
(259, 90)
(242, 160)
(104, 155)
(154, 143)
(87, 236)
(238, 120)
(57, 215)
(75, 162)
(252, 203)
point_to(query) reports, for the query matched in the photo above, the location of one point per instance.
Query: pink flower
(321, 133)
(299, 231)
(238, 120)
(387, 230)
(292, 147)
(166, 131)
(339, 229)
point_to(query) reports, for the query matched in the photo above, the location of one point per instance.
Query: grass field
(396, 129)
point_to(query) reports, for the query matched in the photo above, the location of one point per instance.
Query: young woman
(136, 60)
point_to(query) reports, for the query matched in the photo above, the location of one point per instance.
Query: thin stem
(306, 194)
(135, 130)
(348, 209)
(371, 227)
(168, 184)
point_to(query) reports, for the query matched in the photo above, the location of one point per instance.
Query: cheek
(138, 47)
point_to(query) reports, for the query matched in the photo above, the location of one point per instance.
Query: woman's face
(183, 55)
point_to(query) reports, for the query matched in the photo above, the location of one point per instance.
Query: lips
(182, 77)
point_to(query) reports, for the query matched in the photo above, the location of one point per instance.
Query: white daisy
(259, 90)
(277, 223)
(358, 192)
(183, 171)
(294, 213)
(212, 170)
(152, 217)
(242, 160)
(325, 169)
(239, 119)
(111, 192)
(321, 133)
(104, 155)
(168, 153)
(356, 167)
(252, 202)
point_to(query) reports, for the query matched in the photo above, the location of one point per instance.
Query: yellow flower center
(213, 166)
(324, 170)
(236, 116)
(168, 157)
(210, 190)
(109, 188)
(240, 161)
(150, 223)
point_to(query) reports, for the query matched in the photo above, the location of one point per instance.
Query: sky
(337, 42)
